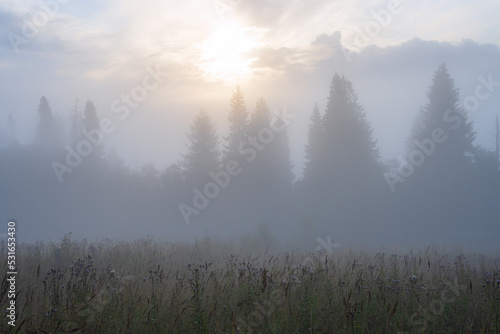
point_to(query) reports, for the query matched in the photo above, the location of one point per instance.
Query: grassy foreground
(150, 287)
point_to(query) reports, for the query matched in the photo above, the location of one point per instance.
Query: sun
(225, 54)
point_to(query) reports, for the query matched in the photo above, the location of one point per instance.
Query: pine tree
(48, 134)
(351, 154)
(273, 161)
(257, 172)
(238, 125)
(203, 155)
(269, 175)
(342, 172)
(314, 147)
(451, 152)
(441, 149)
(280, 163)
(260, 118)
(283, 167)
(91, 120)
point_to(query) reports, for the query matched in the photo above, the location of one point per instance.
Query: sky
(284, 51)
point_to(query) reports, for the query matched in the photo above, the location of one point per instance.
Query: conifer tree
(270, 174)
(442, 129)
(91, 120)
(203, 155)
(90, 124)
(351, 156)
(238, 125)
(48, 134)
(439, 156)
(342, 172)
(313, 156)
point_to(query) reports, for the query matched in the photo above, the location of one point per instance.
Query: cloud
(269, 58)
(329, 40)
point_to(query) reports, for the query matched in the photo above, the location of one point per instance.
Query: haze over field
(372, 122)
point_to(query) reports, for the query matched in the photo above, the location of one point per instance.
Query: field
(211, 287)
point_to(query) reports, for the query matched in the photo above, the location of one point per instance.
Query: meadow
(145, 286)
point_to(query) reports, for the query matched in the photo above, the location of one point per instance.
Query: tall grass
(150, 287)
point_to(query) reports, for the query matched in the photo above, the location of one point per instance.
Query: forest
(446, 189)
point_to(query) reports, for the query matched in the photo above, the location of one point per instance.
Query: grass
(150, 287)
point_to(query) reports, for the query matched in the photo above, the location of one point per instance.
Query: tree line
(238, 182)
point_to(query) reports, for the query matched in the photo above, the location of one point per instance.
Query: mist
(247, 166)
(166, 139)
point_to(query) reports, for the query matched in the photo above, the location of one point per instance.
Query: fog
(375, 125)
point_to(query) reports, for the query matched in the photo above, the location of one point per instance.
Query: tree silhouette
(342, 172)
(91, 120)
(313, 151)
(349, 147)
(48, 134)
(269, 176)
(238, 125)
(91, 123)
(451, 151)
(203, 155)
(440, 155)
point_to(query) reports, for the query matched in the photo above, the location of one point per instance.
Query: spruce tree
(313, 151)
(91, 120)
(270, 174)
(238, 125)
(342, 178)
(351, 155)
(260, 118)
(90, 124)
(48, 134)
(440, 154)
(451, 151)
(203, 155)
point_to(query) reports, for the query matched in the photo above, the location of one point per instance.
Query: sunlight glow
(225, 53)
